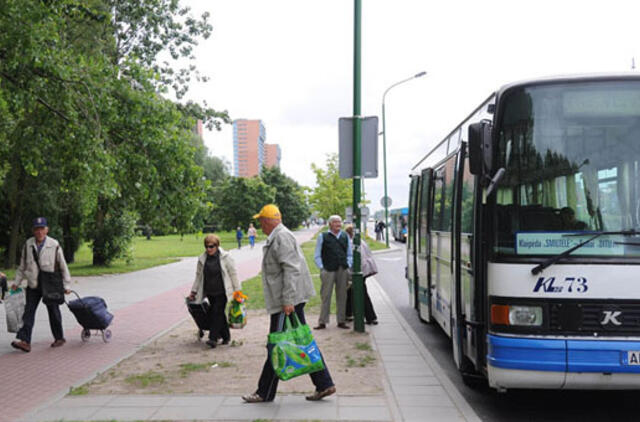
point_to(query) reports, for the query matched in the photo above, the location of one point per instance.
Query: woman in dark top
(216, 279)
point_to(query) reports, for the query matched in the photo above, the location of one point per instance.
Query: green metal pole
(357, 283)
(384, 160)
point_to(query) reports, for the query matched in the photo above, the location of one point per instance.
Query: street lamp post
(384, 155)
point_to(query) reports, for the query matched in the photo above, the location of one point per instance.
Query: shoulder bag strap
(56, 265)
(35, 257)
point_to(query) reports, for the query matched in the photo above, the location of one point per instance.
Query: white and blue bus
(524, 235)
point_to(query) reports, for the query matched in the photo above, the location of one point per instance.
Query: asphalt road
(515, 405)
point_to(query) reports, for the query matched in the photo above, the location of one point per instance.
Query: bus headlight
(525, 315)
(522, 315)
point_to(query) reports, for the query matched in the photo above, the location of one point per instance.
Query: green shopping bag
(295, 351)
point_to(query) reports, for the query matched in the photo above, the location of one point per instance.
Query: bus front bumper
(555, 363)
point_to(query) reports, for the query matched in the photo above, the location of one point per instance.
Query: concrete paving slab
(306, 410)
(416, 381)
(419, 371)
(424, 390)
(431, 414)
(138, 401)
(128, 413)
(247, 411)
(198, 401)
(378, 401)
(84, 401)
(61, 414)
(171, 413)
(424, 400)
(358, 413)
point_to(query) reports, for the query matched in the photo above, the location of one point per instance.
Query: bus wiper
(548, 262)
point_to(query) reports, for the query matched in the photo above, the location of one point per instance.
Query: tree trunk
(99, 258)
(15, 184)
(68, 242)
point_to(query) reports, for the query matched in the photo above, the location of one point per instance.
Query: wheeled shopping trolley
(200, 314)
(91, 312)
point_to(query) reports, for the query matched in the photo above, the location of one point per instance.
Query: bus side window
(466, 223)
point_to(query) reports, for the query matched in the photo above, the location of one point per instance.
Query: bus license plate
(633, 357)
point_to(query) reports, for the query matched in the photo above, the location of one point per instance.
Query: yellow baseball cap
(268, 211)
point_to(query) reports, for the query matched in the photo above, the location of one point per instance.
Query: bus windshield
(572, 157)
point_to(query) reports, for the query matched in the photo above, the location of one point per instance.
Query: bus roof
(534, 81)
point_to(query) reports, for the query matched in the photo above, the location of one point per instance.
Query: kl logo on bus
(568, 284)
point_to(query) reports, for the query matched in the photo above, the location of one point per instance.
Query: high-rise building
(248, 147)
(272, 155)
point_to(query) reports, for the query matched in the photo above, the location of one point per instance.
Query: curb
(461, 403)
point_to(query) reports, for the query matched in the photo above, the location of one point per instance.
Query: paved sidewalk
(145, 303)
(416, 389)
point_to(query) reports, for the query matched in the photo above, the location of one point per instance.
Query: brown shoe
(252, 398)
(59, 342)
(321, 394)
(343, 325)
(320, 327)
(21, 345)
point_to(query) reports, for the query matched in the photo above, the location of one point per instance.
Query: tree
(331, 195)
(290, 196)
(238, 199)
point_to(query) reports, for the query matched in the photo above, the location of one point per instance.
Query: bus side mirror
(480, 148)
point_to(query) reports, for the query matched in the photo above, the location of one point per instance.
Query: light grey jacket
(229, 275)
(286, 279)
(369, 266)
(28, 269)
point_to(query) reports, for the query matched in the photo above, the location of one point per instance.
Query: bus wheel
(470, 377)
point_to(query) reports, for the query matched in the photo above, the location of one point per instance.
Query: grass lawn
(145, 254)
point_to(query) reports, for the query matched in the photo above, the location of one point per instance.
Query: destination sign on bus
(609, 103)
(553, 243)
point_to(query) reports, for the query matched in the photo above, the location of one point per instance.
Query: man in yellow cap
(287, 285)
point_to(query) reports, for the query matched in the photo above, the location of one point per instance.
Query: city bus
(524, 235)
(398, 222)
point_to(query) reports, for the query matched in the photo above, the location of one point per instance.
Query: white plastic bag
(14, 308)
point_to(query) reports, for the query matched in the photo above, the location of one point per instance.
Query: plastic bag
(237, 310)
(14, 309)
(294, 351)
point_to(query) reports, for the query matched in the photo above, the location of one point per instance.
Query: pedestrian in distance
(251, 232)
(381, 226)
(3, 285)
(376, 229)
(287, 286)
(239, 236)
(40, 252)
(369, 268)
(333, 255)
(217, 280)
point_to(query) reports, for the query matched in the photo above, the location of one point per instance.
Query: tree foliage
(86, 138)
(289, 197)
(237, 199)
(331, 195)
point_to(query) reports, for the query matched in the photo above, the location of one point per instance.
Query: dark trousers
(369, 313)
(28, 318)
(268, 383)
(218, 325)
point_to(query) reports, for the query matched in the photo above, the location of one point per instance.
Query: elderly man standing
(334, 257)
(40, 252)
(287, 286)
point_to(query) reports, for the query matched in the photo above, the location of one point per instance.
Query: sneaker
(318, 395)
(21, 345)
(320, 327)
(212, 343)
(59, 342)
(252, 398)
(225, 341)
(343, 325)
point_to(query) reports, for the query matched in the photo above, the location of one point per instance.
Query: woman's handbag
(294, 351)
(50, 282)
(14, 309)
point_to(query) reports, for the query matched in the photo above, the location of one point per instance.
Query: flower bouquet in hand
(237, 310)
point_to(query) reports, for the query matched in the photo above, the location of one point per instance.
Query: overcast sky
(290, 64)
